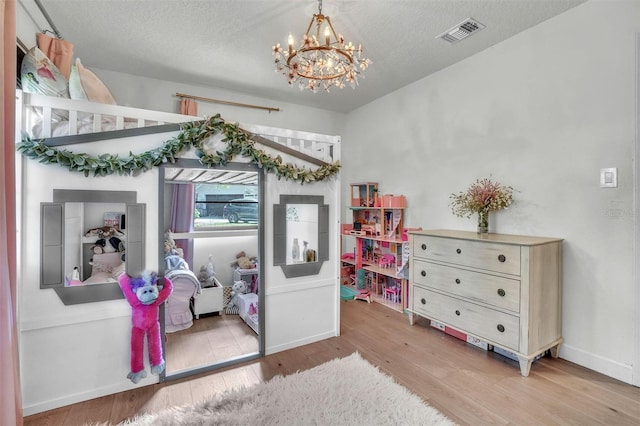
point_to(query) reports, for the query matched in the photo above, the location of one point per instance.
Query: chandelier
(320, 61)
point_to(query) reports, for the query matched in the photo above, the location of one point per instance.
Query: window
(225, 206)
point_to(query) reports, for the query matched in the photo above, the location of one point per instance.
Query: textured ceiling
(227, 43)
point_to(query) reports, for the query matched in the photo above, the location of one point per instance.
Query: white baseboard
(603, 365)
(85, 396)
(294, 344)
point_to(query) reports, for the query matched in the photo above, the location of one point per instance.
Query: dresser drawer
(497, 291)
(494, 326)
(496, 257)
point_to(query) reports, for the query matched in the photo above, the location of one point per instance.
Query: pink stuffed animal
(143, 296)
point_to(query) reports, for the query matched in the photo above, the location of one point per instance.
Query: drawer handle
(501, 328)
(423, 301)
(502, 258)
(423, 246)
(457, 312)
(457, 280)
(458, 251)
(501, 292)
(423, 273)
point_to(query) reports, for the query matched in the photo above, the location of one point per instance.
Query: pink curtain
(183, 205)
(10, 401)
(188, 106)
(59, 51)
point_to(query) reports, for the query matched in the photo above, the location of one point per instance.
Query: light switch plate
(609, 177)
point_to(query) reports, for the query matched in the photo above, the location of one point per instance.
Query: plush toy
(173, 254)
(104, 230)
(108, 241)
(143, 296)
(244, 262)
(170, 247)
(239, 287)
(207, 274)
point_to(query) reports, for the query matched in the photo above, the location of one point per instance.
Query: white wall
(543, 112)
(159, 95)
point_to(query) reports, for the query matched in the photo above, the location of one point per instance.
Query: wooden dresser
(503, 289)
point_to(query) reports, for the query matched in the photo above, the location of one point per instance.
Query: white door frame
(635, 372)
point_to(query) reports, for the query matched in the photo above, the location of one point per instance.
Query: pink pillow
(94, 89)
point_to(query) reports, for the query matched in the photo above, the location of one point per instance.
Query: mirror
(213, 214)
(297, 220)
(302, 227)
(79, 265)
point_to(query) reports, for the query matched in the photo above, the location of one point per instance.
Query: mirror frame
(233, 166)
(86, 293)
(280, 235)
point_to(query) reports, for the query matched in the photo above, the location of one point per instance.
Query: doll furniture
(177, 312)
(386, 261)
(360, 292)
(392, 293)
(248, 310)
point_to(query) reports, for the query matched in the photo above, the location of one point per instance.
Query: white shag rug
(343, 391)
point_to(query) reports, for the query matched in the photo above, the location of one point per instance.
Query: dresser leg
(412, 318)
(554, 351)
(525, 365)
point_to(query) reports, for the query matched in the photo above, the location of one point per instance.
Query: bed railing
(91, 117)
(42, 113)
(322, 147)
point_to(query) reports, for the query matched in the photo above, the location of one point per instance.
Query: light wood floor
(469, 385)
(211, 339)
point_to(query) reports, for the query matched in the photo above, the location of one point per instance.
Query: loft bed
(38, 117)
(47, 117)
(62, 121)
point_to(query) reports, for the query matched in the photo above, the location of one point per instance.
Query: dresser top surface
(495, 238)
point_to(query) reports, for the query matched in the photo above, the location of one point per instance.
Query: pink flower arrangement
(482, 196)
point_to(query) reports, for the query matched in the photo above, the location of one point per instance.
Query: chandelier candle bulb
(290, 39)
(327, 36)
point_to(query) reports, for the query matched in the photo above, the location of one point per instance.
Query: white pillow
(75, 85)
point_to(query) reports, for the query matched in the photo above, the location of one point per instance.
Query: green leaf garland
(191, 134)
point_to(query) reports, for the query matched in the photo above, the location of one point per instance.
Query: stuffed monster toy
(143, 296)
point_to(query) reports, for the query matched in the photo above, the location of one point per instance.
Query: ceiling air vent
(461, 31)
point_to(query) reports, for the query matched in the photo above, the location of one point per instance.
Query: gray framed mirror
(301, 234)
(66, 249)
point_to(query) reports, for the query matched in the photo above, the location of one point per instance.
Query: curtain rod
(200, 98)
(49, 20)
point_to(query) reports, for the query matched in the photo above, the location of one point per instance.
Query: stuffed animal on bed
(143, 296)
(108, 241)
(245, 262)
(239, 287)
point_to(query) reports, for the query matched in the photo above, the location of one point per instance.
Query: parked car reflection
(241, 210)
